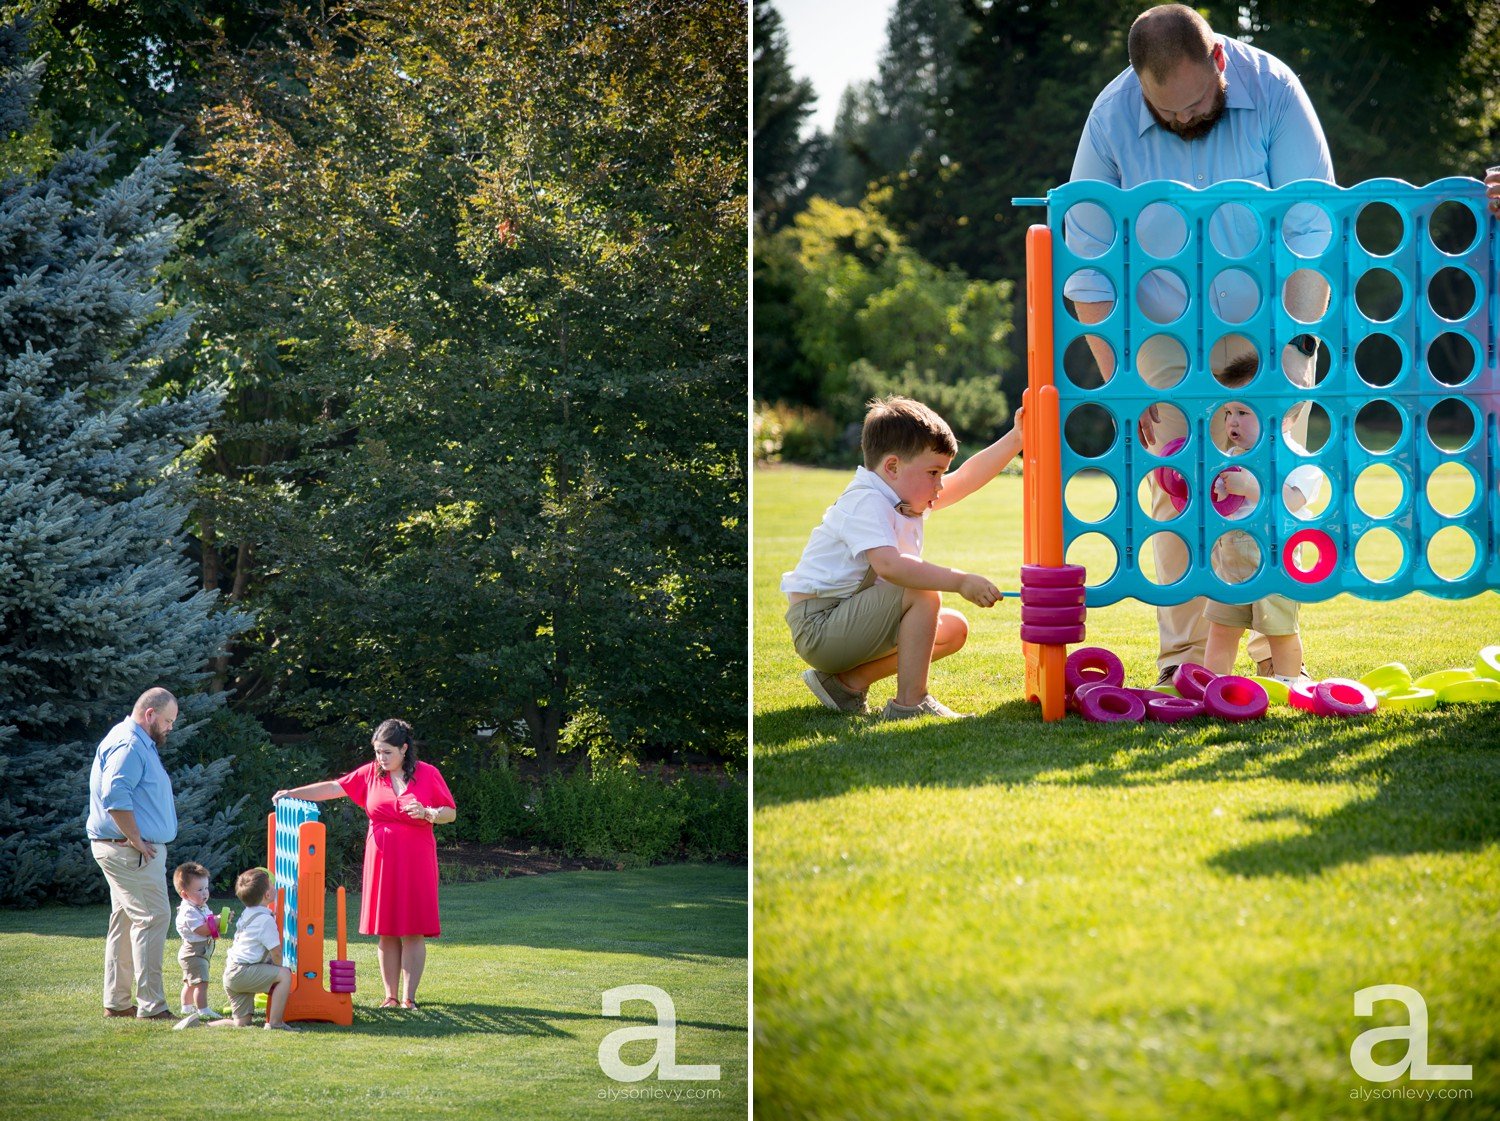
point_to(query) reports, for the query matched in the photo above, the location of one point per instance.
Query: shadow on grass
(431, 1020)
(1432, 779)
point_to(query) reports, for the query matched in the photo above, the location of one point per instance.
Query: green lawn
(510, 1023)
(1002, 918)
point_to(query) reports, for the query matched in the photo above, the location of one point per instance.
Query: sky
(833, 43)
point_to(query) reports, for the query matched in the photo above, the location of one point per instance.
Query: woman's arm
(436, 815)
(312, 792)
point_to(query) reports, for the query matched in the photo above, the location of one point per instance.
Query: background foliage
(978, 103)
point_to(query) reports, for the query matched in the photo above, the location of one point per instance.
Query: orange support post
(1042, 535)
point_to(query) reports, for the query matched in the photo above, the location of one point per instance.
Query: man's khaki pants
(1181, 628)
(140, 918)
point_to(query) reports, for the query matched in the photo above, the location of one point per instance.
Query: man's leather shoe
(119, 1012)
(164, 1014)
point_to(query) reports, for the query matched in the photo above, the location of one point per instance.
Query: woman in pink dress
(404, 799)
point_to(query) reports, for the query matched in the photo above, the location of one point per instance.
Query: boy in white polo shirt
(863, 603)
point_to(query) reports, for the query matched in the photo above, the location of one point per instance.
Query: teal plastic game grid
(1408, 379)
(291, 813)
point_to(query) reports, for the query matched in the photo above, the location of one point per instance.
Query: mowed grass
(1004, 918)
(510, 1023)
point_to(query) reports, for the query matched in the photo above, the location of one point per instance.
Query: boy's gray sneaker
(828, 689)
(927, 706)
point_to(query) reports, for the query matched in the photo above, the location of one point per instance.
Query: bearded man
(1198, 108)
(132, 818)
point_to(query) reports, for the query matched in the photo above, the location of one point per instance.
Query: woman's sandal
(390, 1002)
(409, 1004)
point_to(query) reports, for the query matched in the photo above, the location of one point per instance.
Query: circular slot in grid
(1452, 358)
(1234, 361)
(1297, 295)
(1453, 227)
(1161, 296)
(1161, 230)
(1088, 229)
(1097, 553)
(1306, 492)
(1379, 295)
(1379, 555)
(1235, 492)
(1158, 425)
(1303, 371)
(1163, 493)
(1164, 559)
(1234, 230)
(1090, 430)
(1081, 361)
(1453, 294)
(1309, 556)
(1379, 491)
(1306, 229)
(1104, 292)
(1234, 295)
(1378, 360)
(1235, 557)
(1305, 428)
(1161, 361)
(1452, 488)
(1379, 426)
(1451, 424)
(1379, 229)
(1452, 553)
(1091, 495)
(1234, 427)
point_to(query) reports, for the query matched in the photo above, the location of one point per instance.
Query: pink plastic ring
(1328, 555)
(1053, 575)
(1235, 698)
(1301, 696)
(1092, 665)
(1191, 679)
(1109, 704)
(1230, 503)
(1075, 698)
(1051, 597)
(1146, 695)
(1169, 710)
(1032, 615)
(1339, 696)
(1051, 636)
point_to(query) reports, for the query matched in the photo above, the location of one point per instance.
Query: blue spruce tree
(97, 598)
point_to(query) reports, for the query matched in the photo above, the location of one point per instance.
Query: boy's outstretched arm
(908, 571)
(982, 466)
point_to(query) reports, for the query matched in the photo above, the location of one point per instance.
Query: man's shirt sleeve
(1298, 148)
(119, 775)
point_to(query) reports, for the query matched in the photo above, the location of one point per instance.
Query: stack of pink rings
(1052, 608)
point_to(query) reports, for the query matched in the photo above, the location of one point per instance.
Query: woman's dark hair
(397, 733)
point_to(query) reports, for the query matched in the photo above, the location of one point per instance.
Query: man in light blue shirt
(1198, 109)
(132, 818)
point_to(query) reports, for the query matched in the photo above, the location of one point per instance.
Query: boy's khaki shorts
(835, 634)
(194, 957)
(242, 982)
(1273, 615)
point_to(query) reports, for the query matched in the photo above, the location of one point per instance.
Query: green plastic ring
(1478, 689)
(1392, 675)
(1276, 691)
(1443, 678)
(1411, 700)
(1488, 664)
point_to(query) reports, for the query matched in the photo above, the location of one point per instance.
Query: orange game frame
(309, 999)
(1042, 535)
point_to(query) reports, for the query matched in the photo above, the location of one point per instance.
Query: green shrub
(795, 433)
(717, 824)
(491, 805)
(614, 813)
